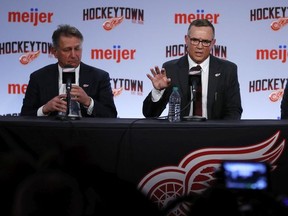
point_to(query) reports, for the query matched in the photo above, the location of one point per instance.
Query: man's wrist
(87, 106)
(44, 111)
(40, 111)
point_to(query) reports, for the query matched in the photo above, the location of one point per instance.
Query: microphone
(68, 76)
(194, 80)
(194, 83)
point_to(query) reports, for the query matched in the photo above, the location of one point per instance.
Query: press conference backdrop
(127, 38)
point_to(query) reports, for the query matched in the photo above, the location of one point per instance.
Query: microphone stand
(65, 116)
(71, 105)
(68, 99)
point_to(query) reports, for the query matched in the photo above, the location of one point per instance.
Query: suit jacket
(284, 104)
(223, 96)
(44, 85)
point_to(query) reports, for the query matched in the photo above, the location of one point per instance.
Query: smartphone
(246, 175)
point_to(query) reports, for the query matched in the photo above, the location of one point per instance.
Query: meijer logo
(116, 54)
(33, 17)
(273, 54)
(182, 18)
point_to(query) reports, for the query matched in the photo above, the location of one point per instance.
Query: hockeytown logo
(275, 87)
(29, 50)
(278, 13)
(113, 15)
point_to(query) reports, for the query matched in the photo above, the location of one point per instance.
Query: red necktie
(197, 103)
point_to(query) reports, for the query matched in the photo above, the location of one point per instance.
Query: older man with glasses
(219, 86)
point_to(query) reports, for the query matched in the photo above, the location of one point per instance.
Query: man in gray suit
(45, 94)
(220, 87)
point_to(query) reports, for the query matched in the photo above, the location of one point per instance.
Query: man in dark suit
(220, 87)
(45, 94)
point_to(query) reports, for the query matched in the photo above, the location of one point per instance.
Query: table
(159, 157)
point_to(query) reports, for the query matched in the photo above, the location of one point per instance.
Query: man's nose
(73, 52)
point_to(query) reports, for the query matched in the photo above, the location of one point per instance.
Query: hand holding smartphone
(246, 175)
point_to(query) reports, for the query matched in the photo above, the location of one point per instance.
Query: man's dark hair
(67, 31)
(201, 23)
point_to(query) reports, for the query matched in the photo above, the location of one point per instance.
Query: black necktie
(197, 101)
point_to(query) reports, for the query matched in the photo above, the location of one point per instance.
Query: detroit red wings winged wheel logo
(112, 23)
(195, 172)
(28, 57)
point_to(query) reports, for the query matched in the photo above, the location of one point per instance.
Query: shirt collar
(204, 65)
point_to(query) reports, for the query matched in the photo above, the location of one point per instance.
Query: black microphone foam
(68, 76)
(194, 81)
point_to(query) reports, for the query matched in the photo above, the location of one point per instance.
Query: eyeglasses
(196, 41)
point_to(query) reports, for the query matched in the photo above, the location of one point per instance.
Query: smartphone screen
(246, 175)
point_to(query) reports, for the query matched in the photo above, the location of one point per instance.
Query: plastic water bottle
(174, 106)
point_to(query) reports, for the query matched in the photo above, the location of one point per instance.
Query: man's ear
(54, 52)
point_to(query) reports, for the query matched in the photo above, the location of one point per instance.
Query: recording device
(246, 175)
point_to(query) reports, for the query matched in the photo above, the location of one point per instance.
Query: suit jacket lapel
(214, 75)
(182, 76)
(54, 82)
(84, 78)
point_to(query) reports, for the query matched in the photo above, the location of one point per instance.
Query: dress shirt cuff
(156, 94)
(40, 112)
(91, 106)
